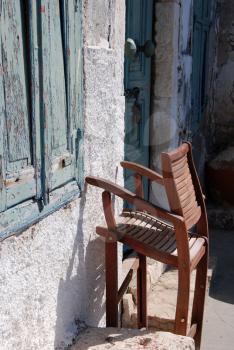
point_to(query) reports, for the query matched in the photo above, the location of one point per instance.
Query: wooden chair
(163, 235)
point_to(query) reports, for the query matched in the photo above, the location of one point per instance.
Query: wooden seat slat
(145, 229)
(166, 244)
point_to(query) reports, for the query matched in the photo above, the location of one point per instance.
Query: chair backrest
(182, 184)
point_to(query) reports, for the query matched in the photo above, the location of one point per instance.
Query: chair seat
(155, 238)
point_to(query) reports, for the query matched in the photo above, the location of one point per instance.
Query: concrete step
(162, 295)
(124, 339)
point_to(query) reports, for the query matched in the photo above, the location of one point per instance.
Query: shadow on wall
(81, 293)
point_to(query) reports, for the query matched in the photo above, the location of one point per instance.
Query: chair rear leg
(142, 318)
(182, 306)
(199, 298)
(111, 284)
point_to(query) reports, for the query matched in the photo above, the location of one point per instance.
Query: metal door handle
(132, 49)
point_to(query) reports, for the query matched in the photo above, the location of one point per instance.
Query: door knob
(148, 49)
(132, 49)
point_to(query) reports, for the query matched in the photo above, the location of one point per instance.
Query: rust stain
(42, 9)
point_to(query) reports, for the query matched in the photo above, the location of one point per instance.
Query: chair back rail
(182, 185)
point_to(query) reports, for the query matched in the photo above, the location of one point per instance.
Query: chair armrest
(143, 171)
(133, 199)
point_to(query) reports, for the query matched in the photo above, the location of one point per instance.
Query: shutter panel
(17, 180)
(61, 100)
(40, 109)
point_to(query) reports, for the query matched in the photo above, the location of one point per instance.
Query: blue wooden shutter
(17, 172)
(40, 109)
(200, 59)
(61, 68)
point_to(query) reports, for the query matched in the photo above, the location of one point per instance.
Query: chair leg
(199, 298)
(111, 284)
(142, 292)
(182, 306)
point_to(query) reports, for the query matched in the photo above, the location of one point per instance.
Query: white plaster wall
(52, 274)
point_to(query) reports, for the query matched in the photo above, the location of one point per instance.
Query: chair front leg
(111, 284)
(182, 306)
(142, 318)
(199, 297)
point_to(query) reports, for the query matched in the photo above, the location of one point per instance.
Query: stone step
(125, 339)
(162, 296)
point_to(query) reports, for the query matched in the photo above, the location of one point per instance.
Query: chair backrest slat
(179, 185)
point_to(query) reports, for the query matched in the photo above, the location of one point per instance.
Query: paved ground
(218, 333)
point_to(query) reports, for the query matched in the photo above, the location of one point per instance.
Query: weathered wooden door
(139, 25)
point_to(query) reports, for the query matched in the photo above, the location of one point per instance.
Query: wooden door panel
(139, 24)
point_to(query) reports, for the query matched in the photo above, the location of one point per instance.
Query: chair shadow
(82, 290)
(222, 281)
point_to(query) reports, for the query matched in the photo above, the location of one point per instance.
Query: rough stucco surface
(52, 274)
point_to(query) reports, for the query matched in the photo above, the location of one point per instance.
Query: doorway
(139, 49)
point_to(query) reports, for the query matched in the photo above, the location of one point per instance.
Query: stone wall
(216, 132)
(171, 99)
(222, 112)
(52, 274)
